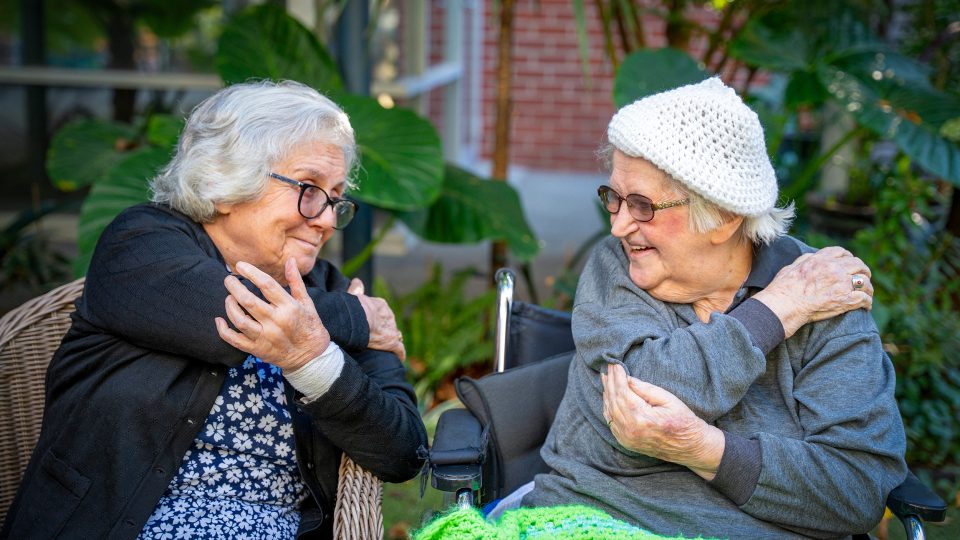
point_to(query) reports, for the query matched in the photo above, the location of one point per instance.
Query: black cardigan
(140, 368)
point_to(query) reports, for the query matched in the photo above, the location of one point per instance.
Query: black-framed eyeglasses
(641, 208)
(314, 200)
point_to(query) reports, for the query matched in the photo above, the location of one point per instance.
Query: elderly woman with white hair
(216, 370)
(728, 381)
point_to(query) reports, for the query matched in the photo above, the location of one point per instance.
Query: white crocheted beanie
(705, 137)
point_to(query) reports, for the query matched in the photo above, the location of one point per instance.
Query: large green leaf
(400, 153)
(649, 71)
(804, 88)
(164, 130)
(83, 151)
(472, 209)
(899, 117)
(125, 185)
(264, 42)
(777, 47)
(802, 35)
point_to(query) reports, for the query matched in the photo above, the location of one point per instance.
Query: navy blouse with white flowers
(240, 479)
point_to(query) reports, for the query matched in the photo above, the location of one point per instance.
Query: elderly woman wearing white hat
(728, 381)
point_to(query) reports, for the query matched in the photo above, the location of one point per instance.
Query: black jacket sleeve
(371, 412)
(156, 280)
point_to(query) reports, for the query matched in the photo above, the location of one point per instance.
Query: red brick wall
(559, 118)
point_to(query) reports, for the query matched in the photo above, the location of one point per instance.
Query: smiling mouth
(313, 245)
(632, 248)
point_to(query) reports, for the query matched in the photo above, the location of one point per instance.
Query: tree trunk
(504, 106)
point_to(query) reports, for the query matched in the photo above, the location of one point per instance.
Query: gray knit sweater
(814, 440)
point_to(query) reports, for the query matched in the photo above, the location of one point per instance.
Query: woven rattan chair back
(31, 333)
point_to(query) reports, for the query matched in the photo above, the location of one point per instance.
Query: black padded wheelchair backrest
(536, 333)
(518, 406)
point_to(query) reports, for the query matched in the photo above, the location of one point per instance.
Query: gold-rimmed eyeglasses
(641, 208)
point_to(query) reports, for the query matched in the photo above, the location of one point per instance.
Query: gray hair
(232, 139)
(706, 216)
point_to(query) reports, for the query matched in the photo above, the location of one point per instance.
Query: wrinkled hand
(284, 330)
(650, 420)
(384, 334)
(817, 286)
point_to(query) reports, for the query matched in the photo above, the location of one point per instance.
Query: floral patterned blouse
(240, 479)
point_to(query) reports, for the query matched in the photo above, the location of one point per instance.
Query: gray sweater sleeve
(836, 477)
(616, 322)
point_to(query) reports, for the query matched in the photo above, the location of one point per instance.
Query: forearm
(370, 413)
(834, 476)
(158, 283)
(708, 366)
(819, 490)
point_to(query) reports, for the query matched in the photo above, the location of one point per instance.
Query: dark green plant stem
(638, 24)
(719, 34)
(942, 245)
(607, 35)
(805, 178)
(351, 266)
(625, 25)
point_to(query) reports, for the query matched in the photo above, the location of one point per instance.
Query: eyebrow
(315, 173)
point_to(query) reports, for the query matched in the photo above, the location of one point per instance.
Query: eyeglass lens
(313, 201)
(640, 207)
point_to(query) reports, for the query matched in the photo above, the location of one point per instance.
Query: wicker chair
(31, 333)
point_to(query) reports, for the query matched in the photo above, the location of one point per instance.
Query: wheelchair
(487, 450)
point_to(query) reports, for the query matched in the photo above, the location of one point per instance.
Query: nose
(327, 219)
(622, 223)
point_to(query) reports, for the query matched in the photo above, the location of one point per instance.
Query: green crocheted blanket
(553, 522)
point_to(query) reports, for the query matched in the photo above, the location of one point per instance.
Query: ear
(222, 208)
(726, 231)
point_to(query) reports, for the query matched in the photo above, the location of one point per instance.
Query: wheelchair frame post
(504, 279)
(913, 527)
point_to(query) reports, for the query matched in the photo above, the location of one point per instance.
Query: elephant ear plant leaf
(471, 209)
(264, 42)
(84, 151)
(672, 68)
(401, 159)
(116, 161)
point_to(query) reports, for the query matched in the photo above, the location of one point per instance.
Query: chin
(642, 279)
(305, 265)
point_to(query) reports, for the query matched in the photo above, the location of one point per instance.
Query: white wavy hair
(706, 216)
(233, 138)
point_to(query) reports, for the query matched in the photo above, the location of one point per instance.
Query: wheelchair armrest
(458, 452)
(913, 498)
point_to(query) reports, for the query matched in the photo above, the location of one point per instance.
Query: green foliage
(672, 67)
(827, 52)
(916, 275)
(400, 154)
(26, 258)
(444, 329)
(83, 151)
(265, 42)
(117, 160)
(471, 209)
